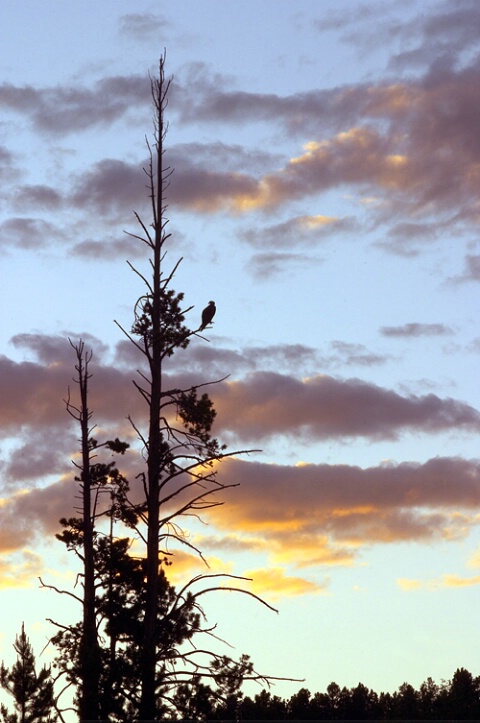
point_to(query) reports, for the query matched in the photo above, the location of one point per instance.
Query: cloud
(281, 356)
(264, 266)
(28, 233)
(445, 581)
(37, 196)
(317, 549)
(38, 454)
(219, 361)
(445, 30)
(416, 329)
(354, 354)
(357, 156)
(50, 349)
(405, 238)
(408, 585)
(274, 583)
(323, 516)
(20, 570)
(200, 189)
(111, 186)
(233, 542)
(297, 231)
(324, 513)
(26, 515)
(271, 582)
(471, 271)
(112, 249)
(71, 108)
(8, 172)
(323, 407)
(141, 26)
(217, 156)
(457, 581)
(259, 406)
(411, 143)
(447, 34)
(33, 394)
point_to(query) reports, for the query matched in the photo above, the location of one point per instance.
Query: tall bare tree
(82, 654)
(181, 453)
(89, 652)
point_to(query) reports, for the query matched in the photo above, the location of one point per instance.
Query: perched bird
(207, 314)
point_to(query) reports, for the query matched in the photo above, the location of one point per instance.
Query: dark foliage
(457, 699)
(32, 692)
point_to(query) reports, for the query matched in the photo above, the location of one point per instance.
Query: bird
(207, 314)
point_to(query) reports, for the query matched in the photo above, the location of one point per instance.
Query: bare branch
(60, 592)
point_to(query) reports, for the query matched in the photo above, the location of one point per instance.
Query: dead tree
(89, 653)
(82, 661)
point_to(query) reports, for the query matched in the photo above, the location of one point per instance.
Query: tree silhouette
(32, 692)
(181, 458)
(84, 529)
(82, 662)
(464, 695)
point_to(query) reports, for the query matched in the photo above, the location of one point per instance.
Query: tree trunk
(148, 703)
(90, 657)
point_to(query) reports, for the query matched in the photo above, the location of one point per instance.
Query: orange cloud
(408, 585)
(445, 581)
(186, 565)
(302, 506)
(457, 581)
(325, 513)
(310, 549)
(20, 570)
(274, 583)
(285, 546)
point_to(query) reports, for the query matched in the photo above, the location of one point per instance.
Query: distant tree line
(457, 699)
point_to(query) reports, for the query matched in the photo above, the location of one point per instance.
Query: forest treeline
(456, 699)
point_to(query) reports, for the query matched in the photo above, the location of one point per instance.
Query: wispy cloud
(270, 265)
(140, 26)
(297, 231)
(29, 234)
(416, 329)
(445, 581)
(471, 270)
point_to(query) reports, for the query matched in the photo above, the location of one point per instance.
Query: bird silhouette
(207, 314)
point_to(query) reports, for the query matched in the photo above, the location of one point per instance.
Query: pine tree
(32, 693)
(182, 456)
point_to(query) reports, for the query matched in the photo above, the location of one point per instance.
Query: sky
(325, 191)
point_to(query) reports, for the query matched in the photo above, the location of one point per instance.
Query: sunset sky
(326, 196)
